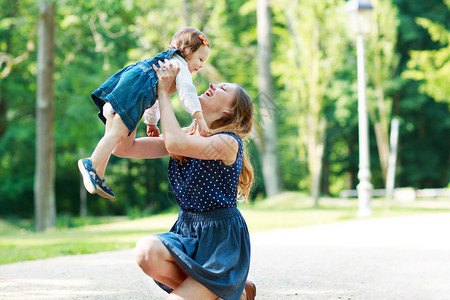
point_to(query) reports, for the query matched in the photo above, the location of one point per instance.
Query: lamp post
(359, 15)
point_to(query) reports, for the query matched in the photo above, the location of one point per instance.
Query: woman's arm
(144, 147)
(220, 146)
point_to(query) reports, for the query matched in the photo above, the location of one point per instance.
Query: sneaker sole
(103, 194)
(89, 186)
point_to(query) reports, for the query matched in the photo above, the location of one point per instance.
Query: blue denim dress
(131, 90)
(210, 239)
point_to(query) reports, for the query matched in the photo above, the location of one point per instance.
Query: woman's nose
(212, 86)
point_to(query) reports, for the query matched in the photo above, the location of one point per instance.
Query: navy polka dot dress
(210, 239)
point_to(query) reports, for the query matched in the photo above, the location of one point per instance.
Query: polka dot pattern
(203, 185)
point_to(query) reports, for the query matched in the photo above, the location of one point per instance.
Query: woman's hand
(166, 72)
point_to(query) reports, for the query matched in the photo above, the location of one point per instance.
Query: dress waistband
(215, 214)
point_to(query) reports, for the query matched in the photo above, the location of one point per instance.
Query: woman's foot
(249, 291)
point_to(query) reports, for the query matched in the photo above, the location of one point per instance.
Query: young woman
(206, 254)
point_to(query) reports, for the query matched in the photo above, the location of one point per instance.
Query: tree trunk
(83, 199)
(381, 128)
(44, 191)
(266, 103)
(316, 122)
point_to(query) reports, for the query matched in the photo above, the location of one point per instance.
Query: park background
(311, 104)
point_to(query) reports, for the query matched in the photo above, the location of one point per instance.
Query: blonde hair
(239, 122)
(188, 40)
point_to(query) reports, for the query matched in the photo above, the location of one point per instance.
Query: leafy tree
(382, 62)
(423, 152)
(432, 67)
(310, 53)
(18, 32)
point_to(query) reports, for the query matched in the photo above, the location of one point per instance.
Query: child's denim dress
(210, 239)
(131, 90)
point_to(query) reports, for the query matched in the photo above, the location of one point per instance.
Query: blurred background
(306, 121)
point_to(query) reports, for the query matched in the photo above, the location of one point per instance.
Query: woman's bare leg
(157, 262)
(191, 289)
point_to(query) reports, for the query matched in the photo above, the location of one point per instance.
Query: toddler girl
(124, 97)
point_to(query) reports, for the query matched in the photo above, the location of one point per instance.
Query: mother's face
(217, 100)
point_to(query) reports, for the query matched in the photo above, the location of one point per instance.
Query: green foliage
(94, 39)
(432, 66)
(424, 123)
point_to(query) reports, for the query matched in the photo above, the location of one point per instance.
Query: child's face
(196, 60)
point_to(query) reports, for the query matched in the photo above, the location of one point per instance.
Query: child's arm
(189, 98)
(202, 126)
(220, 146)
(151, 118)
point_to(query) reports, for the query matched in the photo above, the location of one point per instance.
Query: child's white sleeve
(187, 91)
(152, 115)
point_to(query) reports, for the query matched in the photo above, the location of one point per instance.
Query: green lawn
(17, 243)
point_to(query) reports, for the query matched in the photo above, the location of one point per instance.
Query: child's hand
(202, 127)
(152, 130)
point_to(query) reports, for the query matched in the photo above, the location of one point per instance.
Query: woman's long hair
(238, 122)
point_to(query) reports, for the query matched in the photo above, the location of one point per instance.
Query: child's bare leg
(102, 167)
(113, 136)
(127, 142)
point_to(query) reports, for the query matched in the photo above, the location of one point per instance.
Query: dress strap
(177, 51)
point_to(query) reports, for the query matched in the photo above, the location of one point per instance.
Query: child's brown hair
(188, 40)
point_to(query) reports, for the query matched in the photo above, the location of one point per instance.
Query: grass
(90, 235)
(19, 244)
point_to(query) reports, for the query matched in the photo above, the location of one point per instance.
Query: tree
(316, 52)
(267, 130)
(382, 62)
(423, 152)
(432, 67)
(44, 189)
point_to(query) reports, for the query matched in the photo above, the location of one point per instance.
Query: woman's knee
(148, 252)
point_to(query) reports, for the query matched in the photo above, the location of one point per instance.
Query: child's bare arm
(202, 126)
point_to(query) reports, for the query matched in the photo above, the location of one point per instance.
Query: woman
(206, 255)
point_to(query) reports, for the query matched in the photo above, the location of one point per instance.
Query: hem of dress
(185, 267)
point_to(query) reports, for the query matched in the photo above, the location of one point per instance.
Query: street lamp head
(359, 12)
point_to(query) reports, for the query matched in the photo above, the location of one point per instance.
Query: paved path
(399, 258)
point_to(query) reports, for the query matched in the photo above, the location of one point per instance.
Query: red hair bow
(205, 42)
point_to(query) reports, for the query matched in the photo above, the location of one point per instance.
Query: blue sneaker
(104, 190)
(88, 173)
